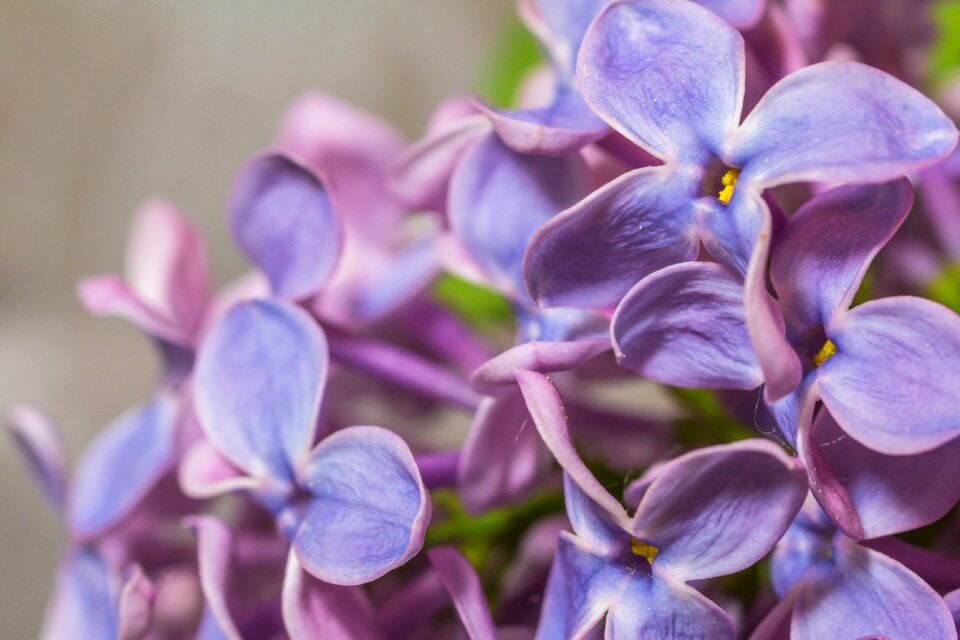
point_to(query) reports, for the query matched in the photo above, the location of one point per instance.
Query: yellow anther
(644, 550)
(826, 352)
(729, 181)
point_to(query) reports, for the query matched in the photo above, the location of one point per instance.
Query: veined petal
(462, 583)
(828, 245)
(369, 510)
(667, 75)
(684, 325)
(39, 445)
(840, 122)
(865, 593)
(282, 218)
(893, 382)
(315, 609)
(499, 198)
(591, 254)
(121, 465)
(260, 377)
(657, 608)
(699, 505)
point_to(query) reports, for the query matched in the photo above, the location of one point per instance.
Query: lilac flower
(832, 587)
(669, 76)
(353, 507)
(688, 526)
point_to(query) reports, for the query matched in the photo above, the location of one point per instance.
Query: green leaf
(945, 288)
(478, 306)
(514, 55)
(944, 61)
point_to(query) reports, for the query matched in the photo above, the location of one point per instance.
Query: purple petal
(893, 383)
(699, 505)
(108, 295)
(259, 380)
(655, 608)
(214, 560)
(740, 13)
(463, 584)
(369, 510)
(543, 357)
(840, 101)
(283, 219)
(499, 198)
(121, 465)
(866, 593)
(560, 129)
(502, 457)
(602, 532)
(891, 494)
(581, 588)
(590, 255)
(563, 25)
(546, 409)
(84, 598)
(135, 610)
(685, 325)
(38, 443)
(642, 69)
(204, 473)
(953, 602)
(167, 265)
(819, 263)
(315, 609)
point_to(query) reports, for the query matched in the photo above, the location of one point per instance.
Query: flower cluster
(715, 418)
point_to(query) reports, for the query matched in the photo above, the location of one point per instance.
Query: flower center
(827, 351)
(644, 549)
(729, 181)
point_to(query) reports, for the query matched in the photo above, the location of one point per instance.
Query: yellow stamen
(729, 181)
(828, 350)
(644, 550)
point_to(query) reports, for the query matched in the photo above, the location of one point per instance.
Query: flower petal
(740, 13)
(667, 75)
(315, 609)
(656, 608)
(685, 325)
(499, 198)
(461, 581)
(282, 218)
(596, 529)
(840, 122)
(893, 382)
(121, 465)
(84, 598)
(108, 295)
(369, 510)
(543, 357)
(564, 23)
(205, 473)
(865, 593)
(214, 560)
(135, 609)
(828, 245)
(39, 445)
(259, 380)
(699, 505)
(591, 254)
(502, 457)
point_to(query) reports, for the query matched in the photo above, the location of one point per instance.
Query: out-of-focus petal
(667, 75)
(699, 505)
(499, 198)
(121, 465)
(864, 593)
(214, 565)
(742, 14)
(591, 254)
(562, 25)
(369, 511)
(108, 295)
(314, 609)
(282, 218)
(840, 122)
(259, 380)
(85, 598)
(660, 609)
(543, 357)
(828, 245)
(466, 592)
(502, 457)
(205, 472)
(167, 264)
(135, 609)
(38, 443)
(684, 325)
(893, 382)
(953, 602)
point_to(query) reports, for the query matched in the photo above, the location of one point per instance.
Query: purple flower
(831, 587)
(669, 75)
(688, 526)
(353, 506)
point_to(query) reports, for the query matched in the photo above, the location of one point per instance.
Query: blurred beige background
(105, 102)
